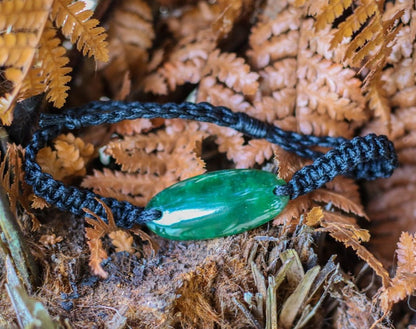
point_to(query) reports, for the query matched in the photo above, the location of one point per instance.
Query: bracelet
(218, 203)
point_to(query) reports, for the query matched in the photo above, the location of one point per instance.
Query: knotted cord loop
(368, 157)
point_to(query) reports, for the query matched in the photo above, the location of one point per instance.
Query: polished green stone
(216, 204)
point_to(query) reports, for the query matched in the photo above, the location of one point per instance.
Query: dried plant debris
(121, 239)
(338, 68)
(356, 310)
(285, 288)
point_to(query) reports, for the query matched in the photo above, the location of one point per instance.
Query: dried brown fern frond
(121, 239)
(403, 283)
(299, 74)
(292, 81)
(130, 35)
(53, 70)
(220, 17)
(391, 202)
(232, 71)
(21, 14)
(184, 66)
(12, 180)
(32, 84)
(94, 234)
(395, 215)
(77, 25)
(149, 163)
(371, 36)
(134, 188)
(68, 159)
(136, 153)
(197, 30)
(18, 50)
(351, 236)
(230, 82)
(31, 57)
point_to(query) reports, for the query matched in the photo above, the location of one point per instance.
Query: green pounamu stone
(216, 204)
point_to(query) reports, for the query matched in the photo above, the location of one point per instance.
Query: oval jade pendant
(217, 204)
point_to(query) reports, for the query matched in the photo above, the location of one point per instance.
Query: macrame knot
(72, 122)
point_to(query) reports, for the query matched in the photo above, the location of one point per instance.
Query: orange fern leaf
(53, 61)
(232, 71)
(134, 188)
(406, 254)
(404, 282)
(39, 203)
(314, 216)
(219, 94)
(130, 36)
(17, 51)
(314, 123)
(132, 22)
(346, 187)
(30, 54)
(350, 236)
(76, 24)
(185, 64)
(18, 45)
(49, 163)
(339, 201)
(6, 108)
(354, 22)
(371, 42)
(198, 29)
(287, 163)
(32, 84)
(130, 127)
(12, 180)
(322, 78)
(94, 234)
(122, 240)
(377, 99)
(97, 254)
(21, 14)
(156, 153)
(293, 210)
(68, 159)
(149, 163)
(333, 10)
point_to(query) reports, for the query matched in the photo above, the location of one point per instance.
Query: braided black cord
(366, 157)
(96, 113)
